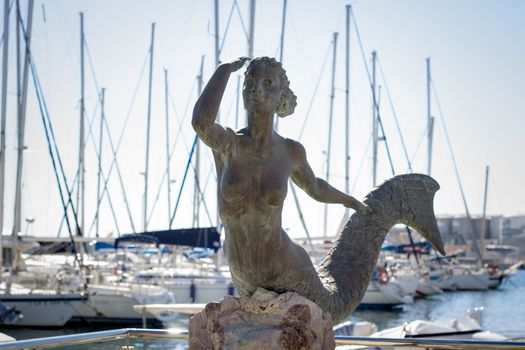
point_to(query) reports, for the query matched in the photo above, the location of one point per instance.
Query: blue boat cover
(205, 237)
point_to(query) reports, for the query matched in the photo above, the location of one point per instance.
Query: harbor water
(503, 313)
(503, 308)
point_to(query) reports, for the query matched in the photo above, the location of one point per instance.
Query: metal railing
(130, 335)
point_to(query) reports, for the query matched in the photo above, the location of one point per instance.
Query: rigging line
(205, 205)
(450, 149)
(36, 82)
(395, 116)
(202, 191)
(475, 245)
(385, 141)
(115, 151)
(41, 105)
(202, 194)
(227, 27)
(327, 55)
(105, 190)
(128, 114)
(165, 175)
(315, 90)
(423, 136)
(119, 176)
(75, 179)
(242, 22)
(106, 180)
(67, 38)
(90, 123)
(376, 106)
(361, 164)
(91, 65)
(73, 187)
(184, 179)
(301, 216)
(170, 98)
(9, 13)
(53, 139)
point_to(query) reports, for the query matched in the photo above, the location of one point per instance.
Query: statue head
(288, 100)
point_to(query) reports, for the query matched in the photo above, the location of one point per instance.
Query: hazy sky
(476, 50)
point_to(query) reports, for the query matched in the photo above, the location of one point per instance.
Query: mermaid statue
(254, 165)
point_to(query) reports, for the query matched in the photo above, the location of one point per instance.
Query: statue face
(262, 88)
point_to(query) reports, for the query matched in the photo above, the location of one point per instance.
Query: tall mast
(347, 102)
(237, 102)
(375, 128)
(252, 28)
(484, 215)
(486, 191)
(148, 129)
(217, 51)
(196, 192)
(17, 222)
(283, 24)
(3, 122)
(167, 145)
(99, 174)
(328, 150)
(430, 119)
(281, 49)
(81, 148)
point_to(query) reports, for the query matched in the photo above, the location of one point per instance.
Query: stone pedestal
(265, 321)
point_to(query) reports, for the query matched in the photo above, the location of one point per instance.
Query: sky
(475, 50)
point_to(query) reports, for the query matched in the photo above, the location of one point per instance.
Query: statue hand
(357, 205)
(364, 209)
(237, 63)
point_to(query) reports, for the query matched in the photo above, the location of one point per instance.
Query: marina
(502, 313)
(185, 191)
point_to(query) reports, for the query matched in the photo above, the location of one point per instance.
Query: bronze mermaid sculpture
(253, 167)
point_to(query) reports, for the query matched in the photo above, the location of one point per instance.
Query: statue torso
(253, 182)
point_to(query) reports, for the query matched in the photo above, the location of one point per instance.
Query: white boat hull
(471, 280)
(44, 310)
(115, 303)
(384, 295)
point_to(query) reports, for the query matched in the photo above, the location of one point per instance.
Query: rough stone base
(265, 321)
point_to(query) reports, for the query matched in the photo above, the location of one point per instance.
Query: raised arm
(207, 106)
(320, 190)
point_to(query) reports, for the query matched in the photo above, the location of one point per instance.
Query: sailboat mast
(196, 192)
(17, 222)
(252, 28)
(430, 119)
(374, 120)
(486, 191)
(328, 150)
(99, 174)
(283, 24)
(217, 52)
(81, 148)
(237, 102)
(484, 215)
(148, 126)
(347, 102)
(3, 123)
(168, 173)
(281, 49)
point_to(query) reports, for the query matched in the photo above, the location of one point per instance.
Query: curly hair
(288, 99)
